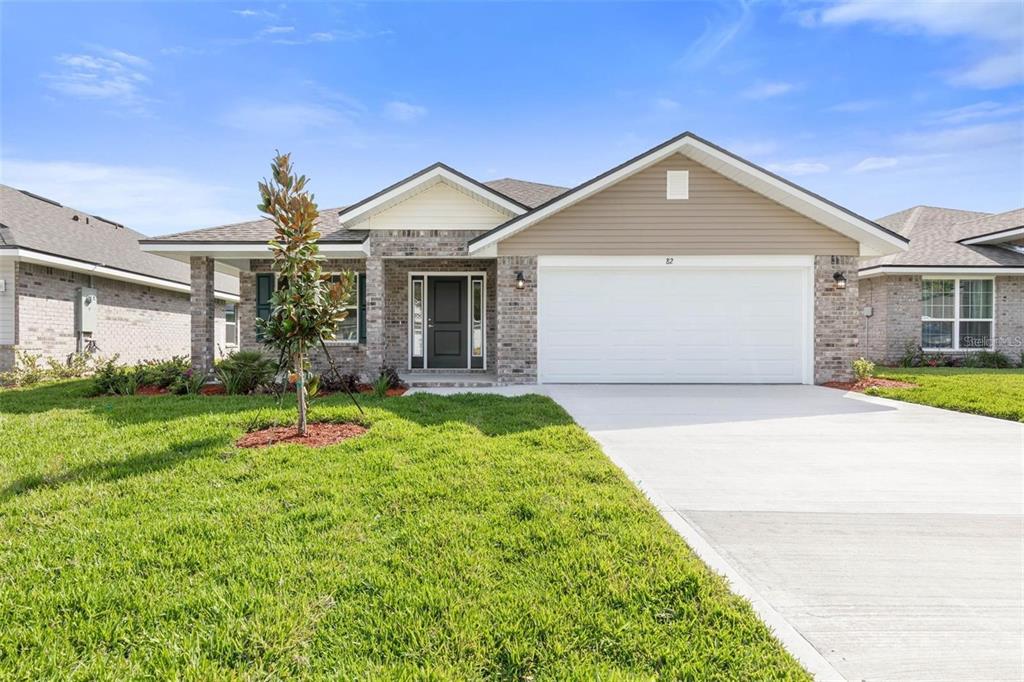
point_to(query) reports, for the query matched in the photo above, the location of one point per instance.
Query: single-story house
(686, 263)
(958, 288)
(73, 282)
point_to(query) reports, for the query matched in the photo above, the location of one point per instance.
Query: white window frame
(229, 325)
(354, 306)
(956, 319)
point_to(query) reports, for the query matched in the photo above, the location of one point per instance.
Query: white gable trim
(419, 182)
(874, 240)
(940, 270)
(995, 237)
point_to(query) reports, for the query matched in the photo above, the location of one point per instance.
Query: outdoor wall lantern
(840, 279)
(520, 280)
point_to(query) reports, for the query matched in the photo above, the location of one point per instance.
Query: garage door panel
(672, 325)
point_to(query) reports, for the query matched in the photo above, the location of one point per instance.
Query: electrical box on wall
(86, 310)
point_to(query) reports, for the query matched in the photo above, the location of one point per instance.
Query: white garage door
(674, 323)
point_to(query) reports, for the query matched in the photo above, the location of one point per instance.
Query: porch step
(436, 379)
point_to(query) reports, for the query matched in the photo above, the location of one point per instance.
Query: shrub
(188, 383)
(912, 355)
(26, 372)
(76, 367)
(863, 368)
(348, 382)
(162, 373)
(391, 374)
(381, 385)
(245, 371)
(988, 359)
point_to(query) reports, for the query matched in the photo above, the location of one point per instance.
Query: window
(417, 318)
(478, 317)
(264, 290)
(957, 314)
(230, 324)
(347, 330)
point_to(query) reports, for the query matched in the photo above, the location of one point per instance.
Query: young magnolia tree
(308, 305)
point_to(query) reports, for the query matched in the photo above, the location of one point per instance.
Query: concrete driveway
(881, 540)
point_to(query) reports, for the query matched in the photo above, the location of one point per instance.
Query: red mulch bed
(391, 392)
(151, 390)
(318, 435)
(212, 389)
(864, 384)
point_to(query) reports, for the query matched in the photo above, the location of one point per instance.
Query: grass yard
(993, 392)
(462, 537)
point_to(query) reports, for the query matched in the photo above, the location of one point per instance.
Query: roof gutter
(90, 268)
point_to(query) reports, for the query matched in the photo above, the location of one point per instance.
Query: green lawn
(463, 537)
(994, 392)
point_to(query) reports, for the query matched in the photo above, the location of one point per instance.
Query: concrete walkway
(880, 540)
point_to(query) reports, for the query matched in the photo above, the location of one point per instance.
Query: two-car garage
(675, 319)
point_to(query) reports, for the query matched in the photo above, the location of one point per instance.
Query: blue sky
(164, 115)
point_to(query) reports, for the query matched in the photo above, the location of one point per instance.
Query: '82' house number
(669, 261)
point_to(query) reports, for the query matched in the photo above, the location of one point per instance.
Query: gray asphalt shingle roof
(935, 234)
(38, 224)
(262, 230)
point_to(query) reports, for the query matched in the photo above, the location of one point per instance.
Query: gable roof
(437, 172)
(938, 239)
(874, 238)
(261, 230)
(998, 228)
(34, 223)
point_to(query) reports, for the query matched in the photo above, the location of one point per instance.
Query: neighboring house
(958, 288)
(684, 264)
(71, 281)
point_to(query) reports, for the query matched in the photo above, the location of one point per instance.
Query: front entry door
(447, 323)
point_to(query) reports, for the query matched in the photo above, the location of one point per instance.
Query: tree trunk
(300, 391)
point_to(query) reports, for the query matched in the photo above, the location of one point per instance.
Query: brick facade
(836, 319)
(203, 311)
(517, 320)
(134, 321)
(896, 320)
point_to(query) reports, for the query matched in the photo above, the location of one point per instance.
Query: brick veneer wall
(135, 321)
(517, 320)
(896, 322)
(896, 315)
(1009, 316)
(836, 319)
(203, 314)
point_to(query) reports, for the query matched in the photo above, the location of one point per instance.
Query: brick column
(375, 311)
(246, 314)
(836, 319)
(203, 307)
(517, 320)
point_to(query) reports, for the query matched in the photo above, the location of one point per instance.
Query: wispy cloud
(998, 71)
(854, 106)
(975, 137)
(975, 112)
(404, 112)
(276, 30)
(768, 90)
(873, 163)
(999, 24)
(101, 74)
(719, 32)
(253, 13)
(665, 104)
(797, 168)
(149, 199)
(294, 118)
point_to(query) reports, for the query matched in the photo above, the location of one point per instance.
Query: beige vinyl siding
(634, 218)
(439, 207)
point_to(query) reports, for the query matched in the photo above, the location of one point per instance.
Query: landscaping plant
(245, 371)
(26, 372)
(863, 369)
(308, 305)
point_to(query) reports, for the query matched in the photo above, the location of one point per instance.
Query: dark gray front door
(447, 322)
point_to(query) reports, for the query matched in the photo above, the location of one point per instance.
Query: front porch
(437, 321)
